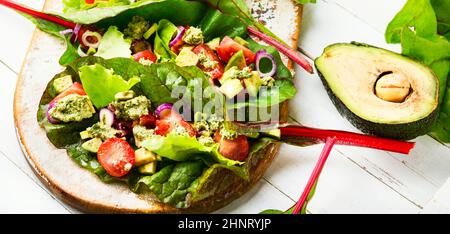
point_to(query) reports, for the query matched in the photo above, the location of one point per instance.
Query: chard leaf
(179, 12)
(442, 9)
(422, 28)
(184, 148)
(172, 183)
(164, 35)
(282, 71)
(417, 14)
(88, 161)
(101, 84)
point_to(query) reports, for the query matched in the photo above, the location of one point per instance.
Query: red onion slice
(180, 34)
(49, 117)
(76, 30)
(65, 32)
(107, 117)
(262, 55)
(162, 109)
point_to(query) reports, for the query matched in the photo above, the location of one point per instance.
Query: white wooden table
(354, 180)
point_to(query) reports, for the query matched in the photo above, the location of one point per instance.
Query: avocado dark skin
(406, 131)
(402, 131)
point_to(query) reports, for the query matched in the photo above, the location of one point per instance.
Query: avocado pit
(392, 87)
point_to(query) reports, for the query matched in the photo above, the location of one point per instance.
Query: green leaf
(177, 11)
(164, 34)
(418, 14)
(88, 161)
(184, 148)
(159, 81)
(76, 5)
(282, 90)
(172, 183)
(113, 45)
(215, 24)
(305, 1)
(101, 84)
(422, 28)
(442, 9)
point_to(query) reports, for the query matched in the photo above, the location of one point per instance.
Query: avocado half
(380, 92)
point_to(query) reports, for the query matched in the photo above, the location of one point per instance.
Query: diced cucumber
(62, 83)
(85, 135)
(92, 145)
(231, 88)
(186, 58)
(144, 156)
(148, 169)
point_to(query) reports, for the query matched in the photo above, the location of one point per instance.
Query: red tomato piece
(170, 121)
(146, 54)
(148, 121)
(76, 88)
(116, 156)
(89, 1)
(228, 47)
(217, 70)
(234, 149)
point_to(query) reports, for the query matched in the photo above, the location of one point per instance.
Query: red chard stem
(37, 14)
(347, 138)
(300, 205)
(289, 52)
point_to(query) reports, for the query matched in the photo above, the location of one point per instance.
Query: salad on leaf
(178, 99)
(145, 98)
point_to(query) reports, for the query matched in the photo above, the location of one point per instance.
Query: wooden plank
(417, 177)
(441, 201)
(17, 32)
(262, 197)
(375, 13)
(21, 195)
(343, 186)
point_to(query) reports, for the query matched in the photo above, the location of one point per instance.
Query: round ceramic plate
(82, 189)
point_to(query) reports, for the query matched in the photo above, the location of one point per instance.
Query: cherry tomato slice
(148, 121)
(234, 149)
(116, 156)
(170, 121)
(146, 54)
(217, 70)
(76, 88)
(228, 47)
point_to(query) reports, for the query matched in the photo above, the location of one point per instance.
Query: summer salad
(181, 99)
(114, 111)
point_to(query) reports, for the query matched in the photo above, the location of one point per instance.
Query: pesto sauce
(72, 108)
(132, 109)
(193, 36)
(102, 131)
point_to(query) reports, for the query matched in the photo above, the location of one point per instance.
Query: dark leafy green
(88, 161)
(172, 183)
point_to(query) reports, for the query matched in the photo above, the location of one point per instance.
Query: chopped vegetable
(265, 64)
(116, 156)
(289, 52)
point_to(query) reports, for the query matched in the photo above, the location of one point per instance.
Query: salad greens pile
(423, 29)
(185, 168)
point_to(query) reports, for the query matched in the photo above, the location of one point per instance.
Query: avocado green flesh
(349, 72)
